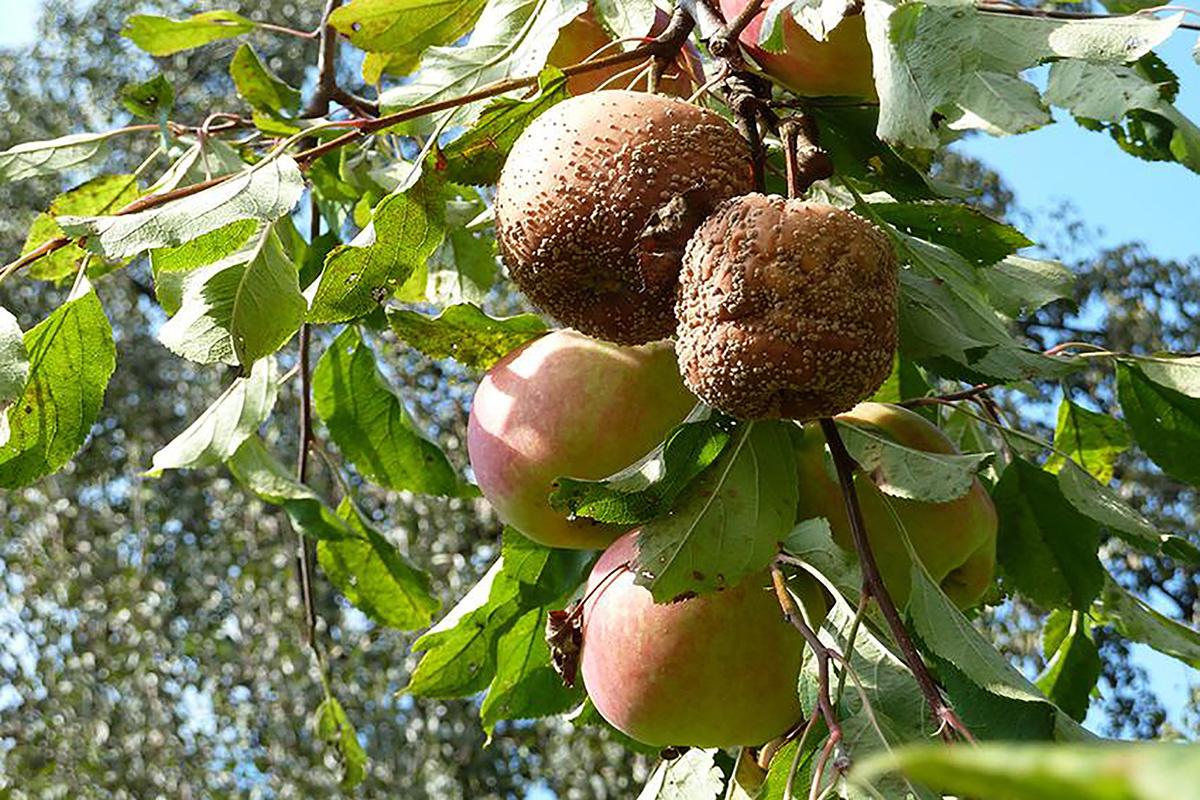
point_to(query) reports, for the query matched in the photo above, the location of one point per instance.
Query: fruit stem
(948, 721)
(806, 162)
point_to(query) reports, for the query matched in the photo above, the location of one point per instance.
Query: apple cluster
(630, 217)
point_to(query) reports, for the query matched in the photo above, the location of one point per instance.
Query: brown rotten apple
(956, 540)
(567, 404)
(598, 198)
(719, 670)
(786, 308)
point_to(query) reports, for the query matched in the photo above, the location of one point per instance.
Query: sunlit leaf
(465, 333)
(160, 36)
(71, 357)
(235, 311)
(370, 424)
(375, 576)
(264, 192)
(230, 420)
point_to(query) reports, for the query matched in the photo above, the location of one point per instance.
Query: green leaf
(463, 268)
(160, 36)
(204, 250)
(371, 426)
(265, 192)
(476, 157)
(848, 134)
(648, 489)
(465, 333)
(511, 39)
(405, 230)
(238, 312)
(1072, 669)
(1165, 422)
(526, 685)
(1137, 621)
(1181, 373)
(100, 195)
(967, 660)
(1104, 506)
(460, 657)
(1018, 286)
(1045, 546)
(1000, 104)
(230, 420)
(152, 99)
(334, 728)
(52, 156)
(71, 357)
(259, 471)
(730, 520)
(375, 577)
(1092, 440)
(1112, 771)
(260, 87)
(991, 715)
(905, 382)
(908, 472)
(971, 233)
(14, 368)
(945, 312)
(692, 776)
(404, 29)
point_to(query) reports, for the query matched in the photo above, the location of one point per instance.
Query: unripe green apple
(956, 540)
(719, 670)
(569, 405)
(840, 65)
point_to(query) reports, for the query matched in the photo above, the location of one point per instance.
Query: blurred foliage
(150, 630)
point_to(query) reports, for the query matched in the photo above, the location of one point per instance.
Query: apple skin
(719, 670)
(956, 540)
(584, 35)
(567, 404)
(840, 65)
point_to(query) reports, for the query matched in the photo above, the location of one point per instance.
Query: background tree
(161, 623)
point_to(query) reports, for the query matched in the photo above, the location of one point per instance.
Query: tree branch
(948, 721)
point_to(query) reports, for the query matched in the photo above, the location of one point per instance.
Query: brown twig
(965, 394)
(792, 614)
(305, 555)
(1021, 11)
(723, 44)
(948, 721)
(668, 44)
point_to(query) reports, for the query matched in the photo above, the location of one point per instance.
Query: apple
(567, 404)
(584, 35)
(840, 65)
(718, 670)
(956, 540)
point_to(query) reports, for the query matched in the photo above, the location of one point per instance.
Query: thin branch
(723, 44)
(503, 86)
(1021, 11)
(948, 721)
(304, 555)
(318, 104)
(660, 45)
(966, 394)
(792, 614)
